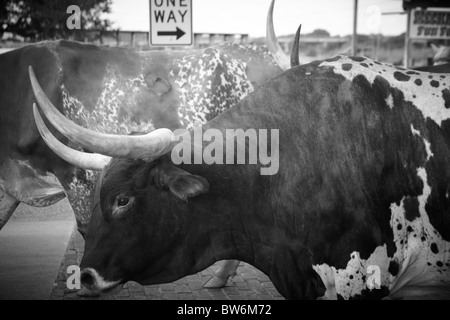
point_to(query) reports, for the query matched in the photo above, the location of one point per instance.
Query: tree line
(46, 19)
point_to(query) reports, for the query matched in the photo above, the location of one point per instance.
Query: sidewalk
(248, 284)
(30, 257)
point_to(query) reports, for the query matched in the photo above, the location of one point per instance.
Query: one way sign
(170, 22)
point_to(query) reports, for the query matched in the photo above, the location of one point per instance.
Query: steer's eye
(121, 205)
(123, 201)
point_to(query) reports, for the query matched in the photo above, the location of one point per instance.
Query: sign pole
(407, 39)
(355, 34)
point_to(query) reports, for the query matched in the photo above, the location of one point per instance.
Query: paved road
(248, 284)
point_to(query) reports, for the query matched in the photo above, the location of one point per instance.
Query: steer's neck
(228, 233)
(236, 219)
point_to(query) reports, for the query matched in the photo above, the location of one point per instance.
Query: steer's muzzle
(91, 279)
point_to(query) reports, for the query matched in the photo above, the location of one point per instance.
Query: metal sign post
(355, 32)
(171, 23)
(407, 39)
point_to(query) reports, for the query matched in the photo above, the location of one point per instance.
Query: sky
(249, 16)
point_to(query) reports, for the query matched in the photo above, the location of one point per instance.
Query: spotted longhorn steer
(111, 90)
(362, 190)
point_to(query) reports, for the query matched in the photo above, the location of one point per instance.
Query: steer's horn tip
(30, 70)
(295, 60)
(163, 132)
(35, 108)
(297, 34)
(270, 12)
(34, 83)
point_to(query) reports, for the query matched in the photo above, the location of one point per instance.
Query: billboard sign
(433, 23)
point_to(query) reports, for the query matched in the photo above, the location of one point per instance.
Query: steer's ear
(181, 183)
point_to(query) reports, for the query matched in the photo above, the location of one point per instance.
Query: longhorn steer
(363, 184)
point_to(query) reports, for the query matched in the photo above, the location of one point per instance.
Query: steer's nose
(87, 278)
(91, 280)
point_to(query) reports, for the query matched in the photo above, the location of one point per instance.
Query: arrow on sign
(179, 33)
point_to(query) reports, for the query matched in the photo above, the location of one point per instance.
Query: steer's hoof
(217, 281)
(85, 292)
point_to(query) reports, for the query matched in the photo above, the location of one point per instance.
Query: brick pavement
(248, 284)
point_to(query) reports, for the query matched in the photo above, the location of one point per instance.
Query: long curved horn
(146, 147)
(92, 161)
(295, 60)
(272, 43)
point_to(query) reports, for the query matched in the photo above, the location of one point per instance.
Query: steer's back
(363, 176)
